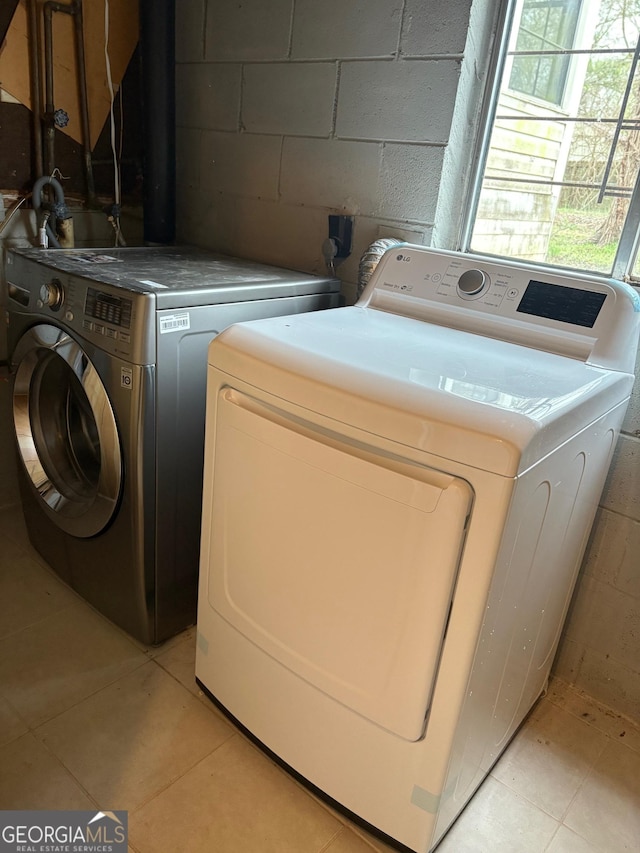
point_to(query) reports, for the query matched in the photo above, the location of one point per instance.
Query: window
(539, 69)
(558, 171)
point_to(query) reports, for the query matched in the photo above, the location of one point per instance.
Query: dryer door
(335, 558)
(66, 431)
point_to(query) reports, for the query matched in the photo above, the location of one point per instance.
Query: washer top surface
(428, 380)
(180, 276)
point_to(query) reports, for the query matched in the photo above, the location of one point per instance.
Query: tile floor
(91, 719)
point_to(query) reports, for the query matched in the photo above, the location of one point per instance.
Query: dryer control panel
(581, 316)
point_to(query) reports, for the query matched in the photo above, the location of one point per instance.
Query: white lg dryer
(397, 498)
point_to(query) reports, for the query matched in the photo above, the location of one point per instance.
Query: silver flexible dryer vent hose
(369, 261)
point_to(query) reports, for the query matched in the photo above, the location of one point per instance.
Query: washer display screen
(565, 304)
(110, 309)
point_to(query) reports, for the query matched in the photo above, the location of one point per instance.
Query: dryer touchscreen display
(565, 304)
(110, 309)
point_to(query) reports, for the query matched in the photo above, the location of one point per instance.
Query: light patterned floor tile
(497, 820)
(60, 660)
(234, 801)
(549, 758)
(373, 841)
(566, 841)
(348, 842)
(11, 725)
(178, 657)
(32, 778)
(606, 811)
(28, 591)
(134, 737)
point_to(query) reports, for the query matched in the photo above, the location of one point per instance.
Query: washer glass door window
(66, 431)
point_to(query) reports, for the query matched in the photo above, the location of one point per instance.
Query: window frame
(628, 251)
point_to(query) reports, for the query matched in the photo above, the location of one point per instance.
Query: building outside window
(558, 176)
(540, 66)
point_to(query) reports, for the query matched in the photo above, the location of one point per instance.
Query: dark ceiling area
(7, 8)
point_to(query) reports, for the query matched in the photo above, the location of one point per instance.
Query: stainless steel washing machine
(109, 356)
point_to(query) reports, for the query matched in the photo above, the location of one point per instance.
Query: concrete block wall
(291, 110)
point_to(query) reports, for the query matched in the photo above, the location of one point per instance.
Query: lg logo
(405, 258)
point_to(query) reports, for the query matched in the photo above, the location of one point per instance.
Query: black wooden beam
(7, 8)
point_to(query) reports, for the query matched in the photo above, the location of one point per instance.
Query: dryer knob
(52, 294)
(472, 282)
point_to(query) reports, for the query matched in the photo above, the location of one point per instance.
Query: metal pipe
(36, 91)
(49, 132)
(157, 44)
(84, 104)
(75, 10)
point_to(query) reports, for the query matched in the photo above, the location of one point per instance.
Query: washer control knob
(52, 294)
(472, 282)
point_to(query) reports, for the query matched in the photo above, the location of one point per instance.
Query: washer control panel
(51, 294)
(121, 324)
(108, 308)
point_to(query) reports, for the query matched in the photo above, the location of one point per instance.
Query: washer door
(66, 431)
